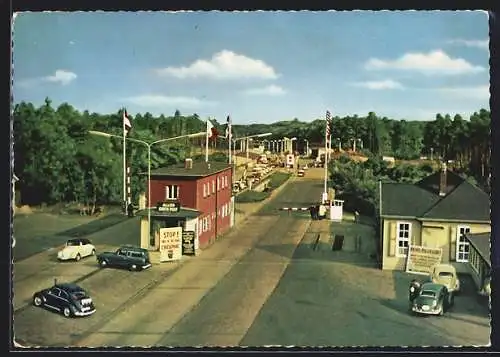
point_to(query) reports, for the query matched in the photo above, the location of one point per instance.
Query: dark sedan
(67, 298)
(433, 299)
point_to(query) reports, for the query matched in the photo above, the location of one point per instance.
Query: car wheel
(67, 312)
(133, 267)
(78, 257)
(441, 310)
(93, 252)
(103, 263)
(37, 301)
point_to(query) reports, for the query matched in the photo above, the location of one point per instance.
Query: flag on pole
(211, 131)
(228, 128)
(127, 125)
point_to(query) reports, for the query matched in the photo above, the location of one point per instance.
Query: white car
(76, 249)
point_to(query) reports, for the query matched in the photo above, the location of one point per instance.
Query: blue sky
(258, 67)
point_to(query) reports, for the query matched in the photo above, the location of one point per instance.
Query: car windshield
(77, 295)
(428, 293)
(71, 243)
(445, 274)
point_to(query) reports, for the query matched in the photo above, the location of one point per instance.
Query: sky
(257, 67)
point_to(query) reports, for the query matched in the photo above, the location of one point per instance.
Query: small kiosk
(169, 222)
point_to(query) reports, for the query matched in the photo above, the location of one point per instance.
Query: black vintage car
(128, 257)
(66, 298)
(432, 299)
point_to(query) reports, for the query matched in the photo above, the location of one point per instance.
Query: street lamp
(247, 138)
(291, 144)
(307, 147)
(148, 145)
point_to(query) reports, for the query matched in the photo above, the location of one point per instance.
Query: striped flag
(127, 125)
(328, 123)
(228, 128)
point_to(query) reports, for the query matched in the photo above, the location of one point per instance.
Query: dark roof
(199, 169)
(406, 200)
(184, 212)
(466, 202)
(431, 182)
(463, 201)
(481, 242)
(71, 287)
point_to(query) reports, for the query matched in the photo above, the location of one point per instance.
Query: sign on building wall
(421, 259)
(168, 206)
(170, 244)
(188, 239)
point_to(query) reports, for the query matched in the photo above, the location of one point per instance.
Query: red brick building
(204, 187)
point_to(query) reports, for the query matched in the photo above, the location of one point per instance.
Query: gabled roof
(466, 202)
(199, 169)
(481, 242)
(463, 201)
(406, 200)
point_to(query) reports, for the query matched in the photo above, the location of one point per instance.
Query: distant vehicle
(301, 173)
(75, 249)
(67, 298)
(127, 256)
(433, 299)
(446, 275)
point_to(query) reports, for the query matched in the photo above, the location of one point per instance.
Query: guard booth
(336, 210)
(168, 217)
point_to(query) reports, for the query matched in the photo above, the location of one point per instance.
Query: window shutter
(392, 239)
(453, 243)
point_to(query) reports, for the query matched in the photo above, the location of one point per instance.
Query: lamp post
(148, 145)
(291, 144)
(247, 138)
(307, 147)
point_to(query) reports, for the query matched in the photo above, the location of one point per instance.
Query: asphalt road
(262, 284)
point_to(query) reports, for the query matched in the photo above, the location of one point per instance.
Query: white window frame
(208, 189)
(400, 249)
(204, 191)
(169, 192)
(223, 210)
(218, 183)
(213, 186)
(462, 256)
(225, 180)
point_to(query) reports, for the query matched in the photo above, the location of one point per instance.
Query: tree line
(57, 160)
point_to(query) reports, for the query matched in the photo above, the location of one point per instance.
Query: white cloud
(158, 100)
(435, 62)
(61, 76)
(71, 42)
(483, 44)
(269, 90)
(223, 65)
(379, 85)
(478, 92)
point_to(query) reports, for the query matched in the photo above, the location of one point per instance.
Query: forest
(57, 160)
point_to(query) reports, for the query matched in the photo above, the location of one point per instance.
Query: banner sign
(170, 244)
(421, 259)
(169, 206)
(188, 247)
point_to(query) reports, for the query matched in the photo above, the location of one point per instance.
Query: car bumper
(426, 312)
(64, 257)
(146, 266)
(84, 313)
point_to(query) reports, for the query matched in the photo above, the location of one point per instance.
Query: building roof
(406, 200)
(463, 201)
(199, 169)
(481, 242)
(184, 212)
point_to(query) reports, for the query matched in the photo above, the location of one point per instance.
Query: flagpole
(124, 164)
(230, 137)
(326, 162)
(206, 143)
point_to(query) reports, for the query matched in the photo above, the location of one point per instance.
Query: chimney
(188, 164)
(442, 180)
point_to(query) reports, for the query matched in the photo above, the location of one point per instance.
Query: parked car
(127, 256)
(446, 275)
(301, 173)
(67, 298)
(433, 299)
(75, 249)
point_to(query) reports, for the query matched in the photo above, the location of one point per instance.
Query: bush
(251, 196)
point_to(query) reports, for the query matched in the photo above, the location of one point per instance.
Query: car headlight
(434, 303)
